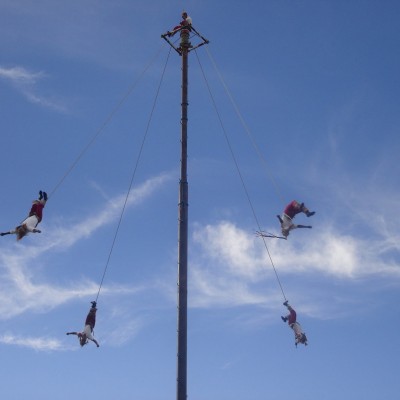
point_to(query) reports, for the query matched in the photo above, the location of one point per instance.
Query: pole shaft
(183, 231)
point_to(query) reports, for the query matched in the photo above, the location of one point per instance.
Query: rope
(133, 175)
(240, 175)
(105, 123)
(246, 128)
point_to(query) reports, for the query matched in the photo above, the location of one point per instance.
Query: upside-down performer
(31, 222)
(87, 333)
(291, 319)
(290, 211)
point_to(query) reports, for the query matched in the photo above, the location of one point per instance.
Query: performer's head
(285, 232)
(82, 339)
(21, 231)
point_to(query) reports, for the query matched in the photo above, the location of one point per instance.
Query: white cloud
(327, 251)
(21, 76)
(126, 327)
(38, 343)
(231, 245)
(233, 267)
(212, 287)
(342, 256)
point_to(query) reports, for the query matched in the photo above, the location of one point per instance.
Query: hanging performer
(291, 210)
(291, 318)
(33, 219)
(87, 333)
(186, 22)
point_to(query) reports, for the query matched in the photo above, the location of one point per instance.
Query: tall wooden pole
(183, 231)
(183, 50)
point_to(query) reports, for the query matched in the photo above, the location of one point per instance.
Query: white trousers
(31, 223)
(88, 332)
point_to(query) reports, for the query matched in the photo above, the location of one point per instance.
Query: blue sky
(314, 85)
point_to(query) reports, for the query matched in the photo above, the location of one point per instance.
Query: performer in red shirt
(87, 333)
(290, 211)
(186, 21)
(30, 223)
(291, 318)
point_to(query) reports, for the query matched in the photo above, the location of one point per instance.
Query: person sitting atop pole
(87, 333)
(291, 318)
(186, 22)
(290, 211)
(34, 218)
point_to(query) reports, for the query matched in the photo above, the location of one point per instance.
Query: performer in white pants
(29, 225)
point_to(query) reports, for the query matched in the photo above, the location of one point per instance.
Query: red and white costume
(290, 211)
(291, 319)
(31, 222)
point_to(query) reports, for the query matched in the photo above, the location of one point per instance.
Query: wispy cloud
(229, 268)
(125, 327)
(26, 82)
(66, 236)
(21, 76)
(20, 291)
